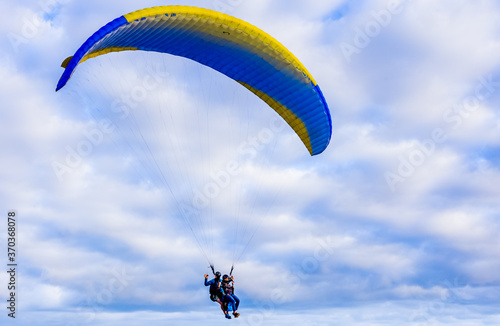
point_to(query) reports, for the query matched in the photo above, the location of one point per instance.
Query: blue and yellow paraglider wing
(229, 45)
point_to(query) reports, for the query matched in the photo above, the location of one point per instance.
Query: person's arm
(207, 283)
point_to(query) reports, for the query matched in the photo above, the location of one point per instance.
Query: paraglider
(238, 50)
(229, 45)
(216, 291)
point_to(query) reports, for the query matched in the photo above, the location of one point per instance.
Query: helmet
(225, 276)
(217, 274)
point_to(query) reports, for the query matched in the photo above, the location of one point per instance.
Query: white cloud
(104, 219)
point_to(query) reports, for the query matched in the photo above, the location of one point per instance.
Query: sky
(395, 223)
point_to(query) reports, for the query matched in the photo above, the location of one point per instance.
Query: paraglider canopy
(229, 45)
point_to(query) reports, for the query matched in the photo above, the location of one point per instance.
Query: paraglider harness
(215, 293)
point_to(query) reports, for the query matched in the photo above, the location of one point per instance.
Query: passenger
(231, 299)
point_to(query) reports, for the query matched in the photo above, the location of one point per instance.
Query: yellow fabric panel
(105, 51)
(66, 61)
(297, 124)
(240, 31)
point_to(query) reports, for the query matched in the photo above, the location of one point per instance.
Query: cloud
(331, 240)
